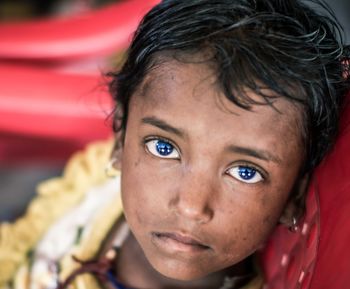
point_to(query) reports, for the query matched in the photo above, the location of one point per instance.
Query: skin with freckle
(195, 194)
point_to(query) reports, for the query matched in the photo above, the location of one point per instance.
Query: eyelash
(245, 165)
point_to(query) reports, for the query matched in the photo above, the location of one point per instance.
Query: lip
(173, 242)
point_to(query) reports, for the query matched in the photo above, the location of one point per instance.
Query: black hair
(284, 45)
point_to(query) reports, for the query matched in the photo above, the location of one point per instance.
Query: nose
(193, 198)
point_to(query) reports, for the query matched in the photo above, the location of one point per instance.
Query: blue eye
(162, 149)
(245, 174)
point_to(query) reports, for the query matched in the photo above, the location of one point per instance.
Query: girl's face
(204, 182)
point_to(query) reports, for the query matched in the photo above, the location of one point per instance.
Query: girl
(223, 109)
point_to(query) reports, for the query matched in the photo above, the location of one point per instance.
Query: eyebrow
(257, 153)
(161, 124)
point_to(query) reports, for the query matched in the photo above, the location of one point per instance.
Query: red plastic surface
(47, 104)
(92, 34)
(39, 108)
(332, 269)
(317, 255)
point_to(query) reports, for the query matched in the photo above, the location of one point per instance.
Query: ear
(116, 155)
(295, 207)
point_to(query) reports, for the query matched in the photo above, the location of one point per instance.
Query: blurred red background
(53, 96)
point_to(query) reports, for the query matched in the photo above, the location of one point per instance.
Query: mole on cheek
(136, 163)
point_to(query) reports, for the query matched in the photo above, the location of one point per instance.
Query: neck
(134, 270)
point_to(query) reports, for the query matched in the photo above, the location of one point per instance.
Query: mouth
(175, 242)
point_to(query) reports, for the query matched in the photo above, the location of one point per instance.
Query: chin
(176, 270)
(181, 276)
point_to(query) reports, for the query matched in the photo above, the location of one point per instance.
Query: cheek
(133, 194)
(130, 181)
(245, 225)
(143, 189)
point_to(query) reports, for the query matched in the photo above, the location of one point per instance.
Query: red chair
(49, 115)
(93, 34)
(40, 108)
(317, 255)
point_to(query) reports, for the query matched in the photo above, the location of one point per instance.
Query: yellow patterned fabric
(54, 198)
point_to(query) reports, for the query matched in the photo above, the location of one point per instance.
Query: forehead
(200, 72)
(188, 95)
